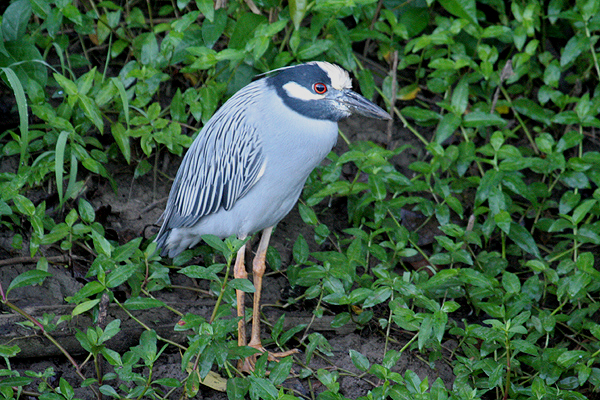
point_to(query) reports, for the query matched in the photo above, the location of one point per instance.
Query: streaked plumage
(246, 169)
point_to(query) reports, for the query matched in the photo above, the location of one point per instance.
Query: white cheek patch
(300, 92)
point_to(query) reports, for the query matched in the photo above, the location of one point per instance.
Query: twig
(153, 205)
(31, 260)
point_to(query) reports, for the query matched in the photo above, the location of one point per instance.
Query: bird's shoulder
(223, 163)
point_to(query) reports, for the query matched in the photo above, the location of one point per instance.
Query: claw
(247, 364)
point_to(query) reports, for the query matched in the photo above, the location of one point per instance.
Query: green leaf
(477, 279)
(298, 9)
(108, 390)
(511, 282)
(377, 297)
(533, 110)
(85, 306)
(15, 19)
(9, 351)
(120, 275)
(69, 86)
(420, 114)
(314, 49)
(199, 272)
(460, 97)
(142, 303)
(110, 330)
(425, 331)
(577, 180)
(15, 381)
(281, 370)
(503, 221)
(24, 205)
(101, 245)
(377, 187)
(71, 12)
(523, 239)
(449, 306)
(488, 184)
(447, 126)
(216, 243)
(90, 289)
(59, 163)
(300, 250)
(212, 30)
(112, 357)
(568, 201)
(86, 211)
(92, 111)
(28, 278)
(525, 346)
(123, 96)
(568, 140)
(308, 215)
(242, 284)
(85, 82)
(57, 233)
(574, 47)
(237, 387)
(582, 210)
(66, 389)
(5, 208)
(286, 336)
(207, 8)
(478, 119)
(461, 8)
(148, 47)
(329, 379)
(19, 93)
(242, 32)
(261, 388)
(366, 82)
(568, 358)
(359, 360)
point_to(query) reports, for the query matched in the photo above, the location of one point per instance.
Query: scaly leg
(239, 272)
(258, 269)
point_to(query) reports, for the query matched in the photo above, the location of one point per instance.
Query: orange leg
(239, 272)
(258, 269)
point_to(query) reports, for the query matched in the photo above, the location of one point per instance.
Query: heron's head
(321, 90)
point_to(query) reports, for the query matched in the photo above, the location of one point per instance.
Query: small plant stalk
(220, 298)
(507, 385)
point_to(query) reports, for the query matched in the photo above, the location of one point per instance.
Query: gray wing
(222, 164)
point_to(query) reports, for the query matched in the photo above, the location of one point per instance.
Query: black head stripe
(305, 75)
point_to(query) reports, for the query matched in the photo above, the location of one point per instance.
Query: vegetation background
(469, 231)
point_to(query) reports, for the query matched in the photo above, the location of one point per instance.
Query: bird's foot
(247, 364)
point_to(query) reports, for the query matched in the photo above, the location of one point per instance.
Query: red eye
(320, 88)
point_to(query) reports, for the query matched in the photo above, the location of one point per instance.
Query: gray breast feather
(221, 166)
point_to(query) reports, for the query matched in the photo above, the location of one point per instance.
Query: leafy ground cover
(464, 234)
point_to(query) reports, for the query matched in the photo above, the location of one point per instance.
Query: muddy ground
(132, 213)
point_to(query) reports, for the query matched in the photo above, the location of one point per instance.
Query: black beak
(357, 104)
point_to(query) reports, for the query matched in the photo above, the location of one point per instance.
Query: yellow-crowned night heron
(248, 165)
